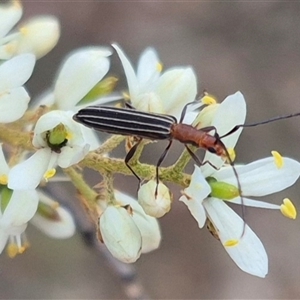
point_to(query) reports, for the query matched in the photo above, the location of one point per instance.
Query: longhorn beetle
(128, 121)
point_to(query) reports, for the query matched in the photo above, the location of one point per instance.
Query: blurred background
(253, 47)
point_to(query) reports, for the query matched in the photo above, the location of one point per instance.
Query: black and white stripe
(126, 121)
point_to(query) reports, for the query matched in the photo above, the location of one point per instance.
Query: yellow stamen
(55, 205)
(12, 250)
(232, 154)
(208, 99)
(159, 67)
(49, 174)
(3, 179)
(69, 135)
(278, 159)
(126, 96)
(231, 243)
(17, 4)
(288, 209)
(10, 48)
(22, 250)
(23, 30)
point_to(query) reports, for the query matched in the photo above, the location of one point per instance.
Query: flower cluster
(38, 139)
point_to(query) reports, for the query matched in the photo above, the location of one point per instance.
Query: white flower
(16, 209)
(52, 219)
(13, 96)
(38, 36)
(260, 178)
(14, 217)
(154, 206)
(151, 91)
(60, 142)
(127, 231)
(79, 73)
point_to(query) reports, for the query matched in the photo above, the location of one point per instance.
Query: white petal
(91, 137)
(39, 35)
(82, 70)
(149, 102)
(148, 71)
(249, 254)
(28, 174)
(194, 195)
(61, 228)
(262, 177)
(21, 208)
(231, 112)
(13, 104)
(196, 209)
(176, 88)
(72, 155)
(132, 81)
(254, 203)
(16, 71)
(10, 14)
(120, 234)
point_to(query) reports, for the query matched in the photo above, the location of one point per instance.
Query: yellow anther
(49, 174)
(231, 243)
(55, 205)
(3, 179)
(159, 67)
(22, 249)
(208, 99)
(12, 250)
(23, 30)
(288, 209)
(69, 135)
(278, 159)
(17, 4)
(232, 154)
(10, 48)
(126, 96)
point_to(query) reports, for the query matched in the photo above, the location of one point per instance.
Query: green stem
(84, 189)
(145, 171)
(110, 144)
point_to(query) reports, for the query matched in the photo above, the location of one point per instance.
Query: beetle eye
(211, 150)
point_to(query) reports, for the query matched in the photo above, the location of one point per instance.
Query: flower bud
(120, 233)
(154, 206)
(147, 225)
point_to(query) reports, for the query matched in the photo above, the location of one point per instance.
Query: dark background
(248, 46)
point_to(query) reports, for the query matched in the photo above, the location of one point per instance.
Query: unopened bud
(120, 234)
(154, 205)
